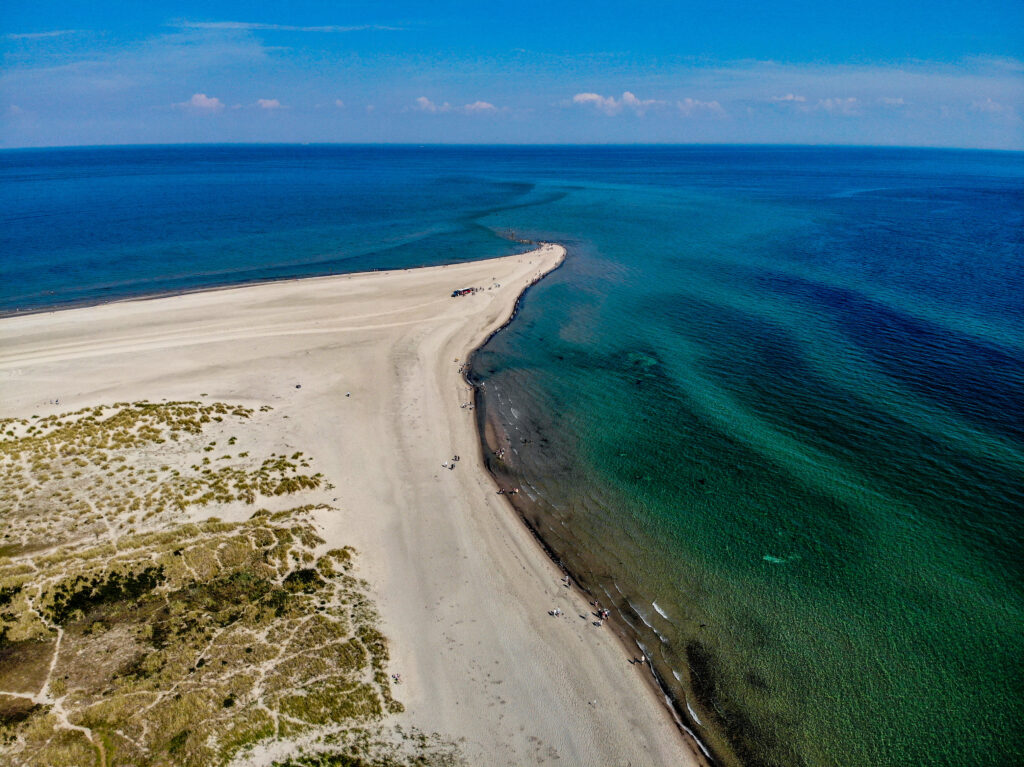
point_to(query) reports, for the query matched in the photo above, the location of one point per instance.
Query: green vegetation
(81, 594)
(191, 643)
(183, 643)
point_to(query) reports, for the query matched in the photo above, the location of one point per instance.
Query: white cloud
(426, 105)
(201, 101)
(608, 105)
(269, 104)
(690, 107)
(423, 104)
(256, 26)
(789, 97)
(639, 105)
(40, 35)
(892, 102)
(838, 106)
(612, 106)
(339, 103)
(370, 108)
(14, 110)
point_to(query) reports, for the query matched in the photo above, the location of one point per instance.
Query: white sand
(463, 589)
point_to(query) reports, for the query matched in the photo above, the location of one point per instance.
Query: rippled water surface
(771, 409)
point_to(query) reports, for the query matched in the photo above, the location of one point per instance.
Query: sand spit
(363, 372)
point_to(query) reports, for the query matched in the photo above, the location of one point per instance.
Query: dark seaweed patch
(979, 380)
(754, 744)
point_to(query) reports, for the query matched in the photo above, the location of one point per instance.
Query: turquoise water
(770, 411)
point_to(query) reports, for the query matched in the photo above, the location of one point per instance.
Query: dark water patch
(979, 380)
(548, 197)
(754, 745)
(886, 451)
(691, 463)
(959, 247)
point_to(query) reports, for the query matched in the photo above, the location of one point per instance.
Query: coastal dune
(363, 372)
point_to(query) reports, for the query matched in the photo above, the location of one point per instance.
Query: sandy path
(462, 588)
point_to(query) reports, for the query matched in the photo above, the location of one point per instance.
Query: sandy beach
(363, 372)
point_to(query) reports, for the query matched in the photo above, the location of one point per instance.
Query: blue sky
(940, 73)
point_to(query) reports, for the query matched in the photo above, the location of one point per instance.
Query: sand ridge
(363, 372)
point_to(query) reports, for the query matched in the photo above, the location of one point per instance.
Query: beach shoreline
(367, 368)
(659, 687)
(624, 632)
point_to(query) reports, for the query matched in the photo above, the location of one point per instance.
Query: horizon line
(509, 145)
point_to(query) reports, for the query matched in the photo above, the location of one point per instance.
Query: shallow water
(771, 408)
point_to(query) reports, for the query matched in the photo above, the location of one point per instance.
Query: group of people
(602, 613)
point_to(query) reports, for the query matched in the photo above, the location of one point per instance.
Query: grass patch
(181, 643)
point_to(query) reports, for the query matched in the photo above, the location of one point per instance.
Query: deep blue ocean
(771, 410)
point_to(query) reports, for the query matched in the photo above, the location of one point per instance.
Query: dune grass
(130, 635)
